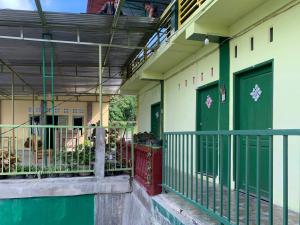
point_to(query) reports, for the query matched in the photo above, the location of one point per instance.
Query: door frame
(198, 115)
(203, 87)
(242, 72)
(236, 76)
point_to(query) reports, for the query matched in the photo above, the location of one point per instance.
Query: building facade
(231, 65)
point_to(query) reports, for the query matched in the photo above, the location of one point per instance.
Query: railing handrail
(213, 169)
(166, 11)
(240, 132)
(60, 126)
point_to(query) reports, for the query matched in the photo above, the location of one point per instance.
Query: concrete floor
(184, 207)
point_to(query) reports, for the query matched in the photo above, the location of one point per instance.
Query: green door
(253, 111)
(155, 120)
(207, 120)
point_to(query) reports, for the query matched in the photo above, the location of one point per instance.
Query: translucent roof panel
(66, 6)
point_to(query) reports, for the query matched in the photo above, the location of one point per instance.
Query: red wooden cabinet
(147, 165)
(148, 168)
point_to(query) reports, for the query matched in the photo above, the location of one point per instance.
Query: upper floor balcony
(185, 28)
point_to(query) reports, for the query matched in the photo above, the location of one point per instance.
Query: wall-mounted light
(206, 41)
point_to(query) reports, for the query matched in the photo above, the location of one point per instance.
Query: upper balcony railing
(186, 8)
(175, 15)
(166, 28)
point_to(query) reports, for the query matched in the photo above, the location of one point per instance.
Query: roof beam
(41, 15)
(22, 38)
(79, 65)
(68, 76)
(74, 28)
(17, 74)
(113, 29)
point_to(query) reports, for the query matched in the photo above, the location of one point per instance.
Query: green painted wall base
(78, 210)
(166, 214)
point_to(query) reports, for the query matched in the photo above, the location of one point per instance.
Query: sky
(73, 6)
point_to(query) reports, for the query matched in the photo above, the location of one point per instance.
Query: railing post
(132, 153)
(100, 153)
(174, 17)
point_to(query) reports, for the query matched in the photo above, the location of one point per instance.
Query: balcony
(184, 27)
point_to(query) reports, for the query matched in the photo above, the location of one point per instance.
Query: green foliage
(122, 108)
(84, 154)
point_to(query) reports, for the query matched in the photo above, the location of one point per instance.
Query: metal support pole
(44, 80)
(100, 85)
(52, 84)
(13, 97)
(33, 107)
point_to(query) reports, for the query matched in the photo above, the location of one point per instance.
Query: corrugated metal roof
(72, 62)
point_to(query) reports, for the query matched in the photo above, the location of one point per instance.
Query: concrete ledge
(63, 187)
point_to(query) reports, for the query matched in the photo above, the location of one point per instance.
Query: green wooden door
(155, 120)
(254, 97)
(207, 120)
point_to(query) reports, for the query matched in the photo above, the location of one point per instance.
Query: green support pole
(45, 76)
(44, 112)
(52, 84)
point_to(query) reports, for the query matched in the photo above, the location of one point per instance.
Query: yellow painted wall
(180, 99)
(148, 95)
(285, 51)
(22, 112)
(105, 113)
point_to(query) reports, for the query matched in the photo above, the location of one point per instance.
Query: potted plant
(86, 158)
(32, 171)
(18, 170)
(52, 172)
(65, 171)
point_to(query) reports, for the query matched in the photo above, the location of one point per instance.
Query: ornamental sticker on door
(256, 93)
(157, 115)
(208, 102)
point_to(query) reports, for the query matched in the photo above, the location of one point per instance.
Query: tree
(122, 108)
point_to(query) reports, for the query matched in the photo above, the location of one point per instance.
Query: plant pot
(44, 175)
(31, 176)
(84, 174)
(16, 177)
(65, 175)
(52, 175)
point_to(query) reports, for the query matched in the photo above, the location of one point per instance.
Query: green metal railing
(119, 150)
(232, 175)
(38, 150)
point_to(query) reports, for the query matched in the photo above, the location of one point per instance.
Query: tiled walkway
(293, 217)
